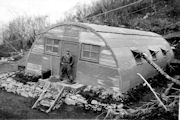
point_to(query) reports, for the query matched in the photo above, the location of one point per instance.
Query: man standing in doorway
(66, 65)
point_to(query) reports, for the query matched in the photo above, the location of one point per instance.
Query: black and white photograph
(90, 59)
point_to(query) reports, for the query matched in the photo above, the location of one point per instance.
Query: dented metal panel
(118, 30)
(98, 75)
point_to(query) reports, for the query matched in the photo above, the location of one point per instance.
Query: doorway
(73, 47)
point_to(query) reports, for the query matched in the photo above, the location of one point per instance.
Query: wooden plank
(59, 95)
(41, 96)
(161, 103)
(145, 56)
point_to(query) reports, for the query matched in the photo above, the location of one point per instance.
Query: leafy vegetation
(150, 15)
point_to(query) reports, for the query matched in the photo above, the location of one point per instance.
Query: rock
(94, 108)
(103, 105)
(82, 101)
(69, 101)
(13, 89)
(19, 91)
(99, 109)
(31, 83)
(24, 94)
(94, 102)
(31, 95)
(9, 79)
(79, 96)
(113, 106)
(48, 95)
(119, 106)
(87, 106)
(4, 85)
(73, 97)
(122, 112)
(38, 89)
(109, 107)
(19, 84)
(88, 88)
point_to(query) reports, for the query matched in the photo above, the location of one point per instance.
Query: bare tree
(21, 31)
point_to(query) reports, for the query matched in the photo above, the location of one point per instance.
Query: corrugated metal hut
(104, 55)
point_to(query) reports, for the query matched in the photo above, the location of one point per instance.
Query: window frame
(52, 46)
(88, 58)
(164, 52)
(153, 54)
(138, 61)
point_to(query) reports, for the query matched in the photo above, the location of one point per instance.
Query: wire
(143, 8)
(139, 10)
(121, 7)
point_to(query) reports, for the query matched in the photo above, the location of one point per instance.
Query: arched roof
(116, 37)
(83, 26)
(118, 30)
(122, 40)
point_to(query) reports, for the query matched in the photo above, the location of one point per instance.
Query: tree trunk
(159, 69)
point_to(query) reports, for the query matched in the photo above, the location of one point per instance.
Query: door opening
(73, 48)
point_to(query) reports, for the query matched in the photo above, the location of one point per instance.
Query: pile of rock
(50, 96)
(31, 89)
(90, 103)
(75, 99)
(94, 105)
(34, 89)
(4, 76)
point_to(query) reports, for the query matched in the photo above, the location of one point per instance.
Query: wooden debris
(41, 96)
(152, 91)
(168, 89)
(145, 56)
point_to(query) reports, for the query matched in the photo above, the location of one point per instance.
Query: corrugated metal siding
(129, 67)
(121, 40)
(90, 38)
(108, 29)
(98, 75)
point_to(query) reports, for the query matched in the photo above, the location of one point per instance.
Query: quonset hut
(104, 55)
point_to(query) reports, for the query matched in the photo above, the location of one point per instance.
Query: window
(90, 52)
(52, 46)
(164, 52)
(153, 54)
(137, 56)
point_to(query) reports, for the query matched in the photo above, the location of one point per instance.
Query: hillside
(160, 16)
